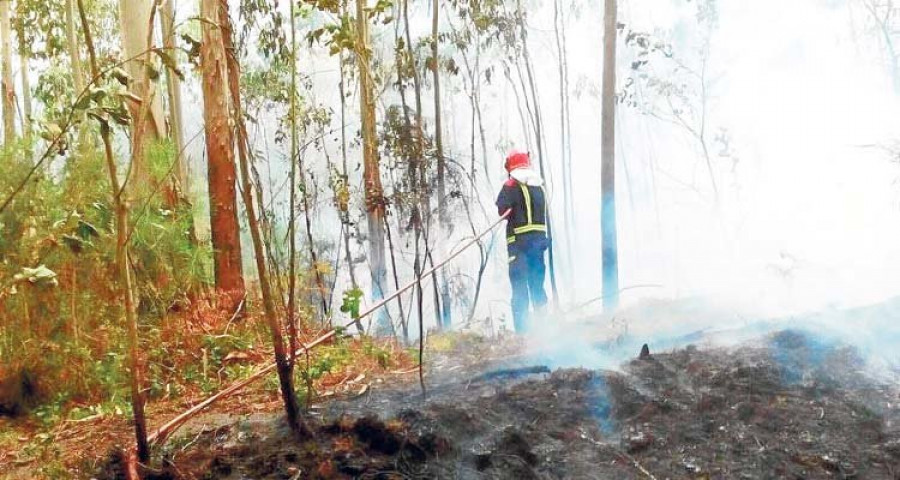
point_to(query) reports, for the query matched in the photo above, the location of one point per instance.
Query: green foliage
(59, 317)
(351, 302)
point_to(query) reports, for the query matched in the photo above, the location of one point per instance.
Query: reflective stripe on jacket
(528, 204)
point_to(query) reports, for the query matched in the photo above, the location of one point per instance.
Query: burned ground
(788, 406)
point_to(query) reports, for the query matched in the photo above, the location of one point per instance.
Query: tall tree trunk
(608, 165)
(313, 255)
(24, 71)
(344, 212)
(282, 359)
(73, 46)
(124, 272)
(292, 215)
(375, 208)
(226, 240)
(173, 90)
(438, 128)
(78, 75)
(443, 225)
(538, 123)
(403, 325)
(135, 22)
(422, 188)
(9, 89)
(26, 94)
(568, 206)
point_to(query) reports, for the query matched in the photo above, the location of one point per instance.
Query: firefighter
(526, 237)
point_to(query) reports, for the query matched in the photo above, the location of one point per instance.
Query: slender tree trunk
(422, 187)
(375, 208)
(26, 95)
(559, 28)
(73, 45)
(539, 138)
(282, 359)
(608, 165)
(420, 301)
(403, 326)
(438, 128)
(124, 272)
(173, 87)
(78, 76)
(443, 226)
(224, 224)
(24, 71)
(9, 89)
(570, 208)
(292, 216)
(313, 255)
(345, 213)
(135, 19)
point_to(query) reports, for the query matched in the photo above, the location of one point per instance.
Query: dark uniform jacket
(526, 226)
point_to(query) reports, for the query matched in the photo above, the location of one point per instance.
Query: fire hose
(162, 433)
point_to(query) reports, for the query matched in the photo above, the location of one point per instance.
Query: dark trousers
(526, 276)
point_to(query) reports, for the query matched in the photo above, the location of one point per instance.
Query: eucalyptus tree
(136, 26)
(609, 233)
(443, 221)
(173, 91)
(106, 114)
(222, 174)
(374, 191)
(283, 359)
(6, 73)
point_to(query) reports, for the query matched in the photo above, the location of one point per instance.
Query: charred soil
(787, 406)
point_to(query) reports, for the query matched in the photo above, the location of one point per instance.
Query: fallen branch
(165, 431)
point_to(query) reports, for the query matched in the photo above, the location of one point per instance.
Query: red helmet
(517, 159)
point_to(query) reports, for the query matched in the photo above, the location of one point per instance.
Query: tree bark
(26, 95)
(375, 207)
(220, 153)
(345, 213)
(9, 90)
(74, 50)
(443, 225)
(282, 359)
(292, 217)
(608, 165)
(24, 57)
(78, 74)
(120, 202)
(564, 134)
(135, 22)
(173, 89)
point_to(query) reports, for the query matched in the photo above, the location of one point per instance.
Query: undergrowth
(62, 338)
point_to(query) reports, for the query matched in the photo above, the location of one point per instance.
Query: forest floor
(787, 404)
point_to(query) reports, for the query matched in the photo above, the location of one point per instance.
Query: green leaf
(351, 302)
